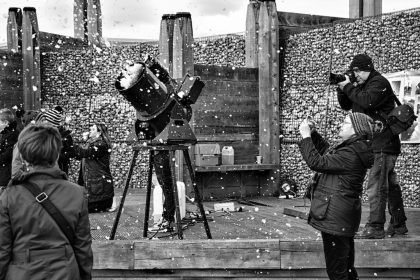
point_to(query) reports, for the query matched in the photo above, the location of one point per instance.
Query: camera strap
(42, 198)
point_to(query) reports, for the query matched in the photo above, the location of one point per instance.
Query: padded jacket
(95, 173)
(32, 246)
(336, 201)
(371, 97)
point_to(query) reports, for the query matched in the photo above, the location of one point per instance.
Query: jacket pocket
(319, 206)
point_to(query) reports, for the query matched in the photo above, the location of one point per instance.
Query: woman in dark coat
(336, 198)
(32, 245)
(8, 138)
(95, 173)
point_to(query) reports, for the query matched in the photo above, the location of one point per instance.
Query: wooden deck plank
(114, 254)
(209, 254)
(383, 253)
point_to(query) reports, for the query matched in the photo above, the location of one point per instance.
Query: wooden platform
(261, 242)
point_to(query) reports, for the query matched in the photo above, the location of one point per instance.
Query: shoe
(161, 226)
(401, 230)
(370, 233)
(114, 205)
(112, 209)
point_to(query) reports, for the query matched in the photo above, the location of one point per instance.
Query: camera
(337, 78)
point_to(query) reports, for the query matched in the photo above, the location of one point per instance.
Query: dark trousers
(99, 206)
(383, 189)
(163, 174)
(339, 257)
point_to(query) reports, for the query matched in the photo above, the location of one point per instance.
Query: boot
(370, 232)
(399, 230)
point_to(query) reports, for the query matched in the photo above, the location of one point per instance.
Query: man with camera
(365, 90)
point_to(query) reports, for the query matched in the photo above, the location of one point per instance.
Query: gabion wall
(82, 82)
(392, 41)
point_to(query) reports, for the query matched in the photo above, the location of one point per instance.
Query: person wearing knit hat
(53, 117)
(361, 62)
(372, 94)
(364, 125)
(336, 193)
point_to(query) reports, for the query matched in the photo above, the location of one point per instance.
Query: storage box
(226, 206)
(207, 154)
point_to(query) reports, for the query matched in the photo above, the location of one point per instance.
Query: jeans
(339, 257)
(163, 174)
(383, 188)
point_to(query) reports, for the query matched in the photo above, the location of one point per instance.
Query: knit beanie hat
(52, 116)
(363, 125)
(362, 62)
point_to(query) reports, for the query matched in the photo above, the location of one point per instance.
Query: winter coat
(373, 96)
(336, 203)
(32, 246)
(95, 174)
(8, 138)
(67, 151)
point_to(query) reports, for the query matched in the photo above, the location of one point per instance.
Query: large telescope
(159, 100)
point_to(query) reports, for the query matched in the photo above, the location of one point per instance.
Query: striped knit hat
(363, 124)
(52, 116)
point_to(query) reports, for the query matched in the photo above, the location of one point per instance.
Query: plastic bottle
(228, 155)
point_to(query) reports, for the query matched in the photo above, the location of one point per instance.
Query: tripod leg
(148, 192)
(175, 190)
(197, 193)
(127, 183)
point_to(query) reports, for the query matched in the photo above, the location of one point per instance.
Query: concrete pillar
(14, 30)
(251, 34)
(268, 64)
(183, 57)
(183, 63)
(364, 8)
(80, 19)
(94, 22)
(88, 21)
(372, 8)
(166, 39)
(31, 60)
(355, 8)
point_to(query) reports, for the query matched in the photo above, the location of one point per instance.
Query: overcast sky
(140, 19)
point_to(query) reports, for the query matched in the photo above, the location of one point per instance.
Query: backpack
(400, 118)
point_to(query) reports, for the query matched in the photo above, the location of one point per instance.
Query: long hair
(104, 133)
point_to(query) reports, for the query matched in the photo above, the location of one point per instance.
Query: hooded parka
(336, 200)
(32, 246)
